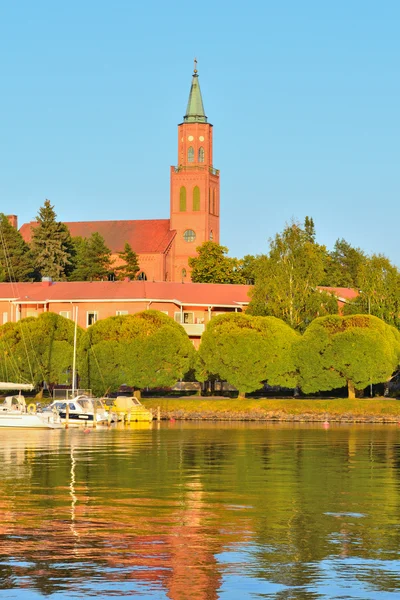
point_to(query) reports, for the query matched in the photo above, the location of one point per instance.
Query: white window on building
(65, 313)
(5, 317)
(91, 317)
(31, 312)
(121, 313)
(186, 318)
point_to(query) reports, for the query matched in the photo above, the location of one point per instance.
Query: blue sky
(304, 98)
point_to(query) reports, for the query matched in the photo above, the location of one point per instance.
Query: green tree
(92, 260)
(248, 268)
(352, 351)
(309, 229)
(247, 351)
(213, 266)
(342, 265)
(37, 349)
(379, 290)
(147, 349)
(287, 280)
(130, 268)
(51, 244)
(16, 261)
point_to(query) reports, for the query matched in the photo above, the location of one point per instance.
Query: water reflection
(201, 511)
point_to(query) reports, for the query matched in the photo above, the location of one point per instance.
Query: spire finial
(195, 66)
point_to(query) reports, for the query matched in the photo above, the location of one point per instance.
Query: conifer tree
(51, 244)
(93, 259)
(130, 267)
(16, 261)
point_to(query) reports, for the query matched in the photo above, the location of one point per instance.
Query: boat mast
(75, 309)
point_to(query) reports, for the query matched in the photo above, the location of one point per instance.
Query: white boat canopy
(4, 385)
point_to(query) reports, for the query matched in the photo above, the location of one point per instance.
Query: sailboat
(14, 411)
(79, 408)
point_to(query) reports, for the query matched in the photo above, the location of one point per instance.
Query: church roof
(144, 237)
(195, 109)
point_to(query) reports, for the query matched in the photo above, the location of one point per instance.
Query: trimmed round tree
(37, 349)
(146, 349)
(353, 351)
(247, 351)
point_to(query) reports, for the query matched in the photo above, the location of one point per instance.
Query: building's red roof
(340, 292)
(209, 294)
(144, 237)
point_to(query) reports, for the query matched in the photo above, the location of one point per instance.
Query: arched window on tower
(209, 201)
(182, 199)
(201, 154)
(214, 203)
(196, 198)
(191, 154)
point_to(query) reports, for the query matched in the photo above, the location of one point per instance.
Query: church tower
(194, 201)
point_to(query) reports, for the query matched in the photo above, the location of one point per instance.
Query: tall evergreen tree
(92, 260)
(342, 265)
(130, 268)
(51, 244)
(16, 261)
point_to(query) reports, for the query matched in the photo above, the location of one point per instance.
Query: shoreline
(376, 410)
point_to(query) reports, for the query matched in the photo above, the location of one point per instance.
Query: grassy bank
(341, 409)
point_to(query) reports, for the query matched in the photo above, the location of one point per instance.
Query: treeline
(150, 350)
(54, 253)
(287, 279)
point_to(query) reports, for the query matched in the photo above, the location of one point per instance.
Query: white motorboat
(79, 410)
(15, 413)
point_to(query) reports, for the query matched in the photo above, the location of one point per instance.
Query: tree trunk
(242, 394)
(351, 390)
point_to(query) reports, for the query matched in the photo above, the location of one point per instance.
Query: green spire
(195, 109)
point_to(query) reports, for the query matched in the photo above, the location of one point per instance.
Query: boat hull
(27, 421)
(80, 418)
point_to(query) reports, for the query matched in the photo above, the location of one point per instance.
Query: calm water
(195, 511)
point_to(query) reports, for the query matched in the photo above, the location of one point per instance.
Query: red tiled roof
(341, 292)
(145, 237)
(209, 294)
(212, 294)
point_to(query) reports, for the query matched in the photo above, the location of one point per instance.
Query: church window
(182, 199)
(209, 200)
(201, 154)
(196, 198)
(211, 235)
(189, 235)
(191, 154)
(142, 276)
(214, 210)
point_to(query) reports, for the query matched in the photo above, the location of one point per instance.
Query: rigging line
(14, 287)
(97, 363)
(12, 362)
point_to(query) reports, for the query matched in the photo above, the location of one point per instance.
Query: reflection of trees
(145, 508)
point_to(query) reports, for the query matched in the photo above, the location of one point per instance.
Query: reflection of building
(163, 246)
(191, 304)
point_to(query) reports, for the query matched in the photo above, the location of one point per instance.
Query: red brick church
(164, 246)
